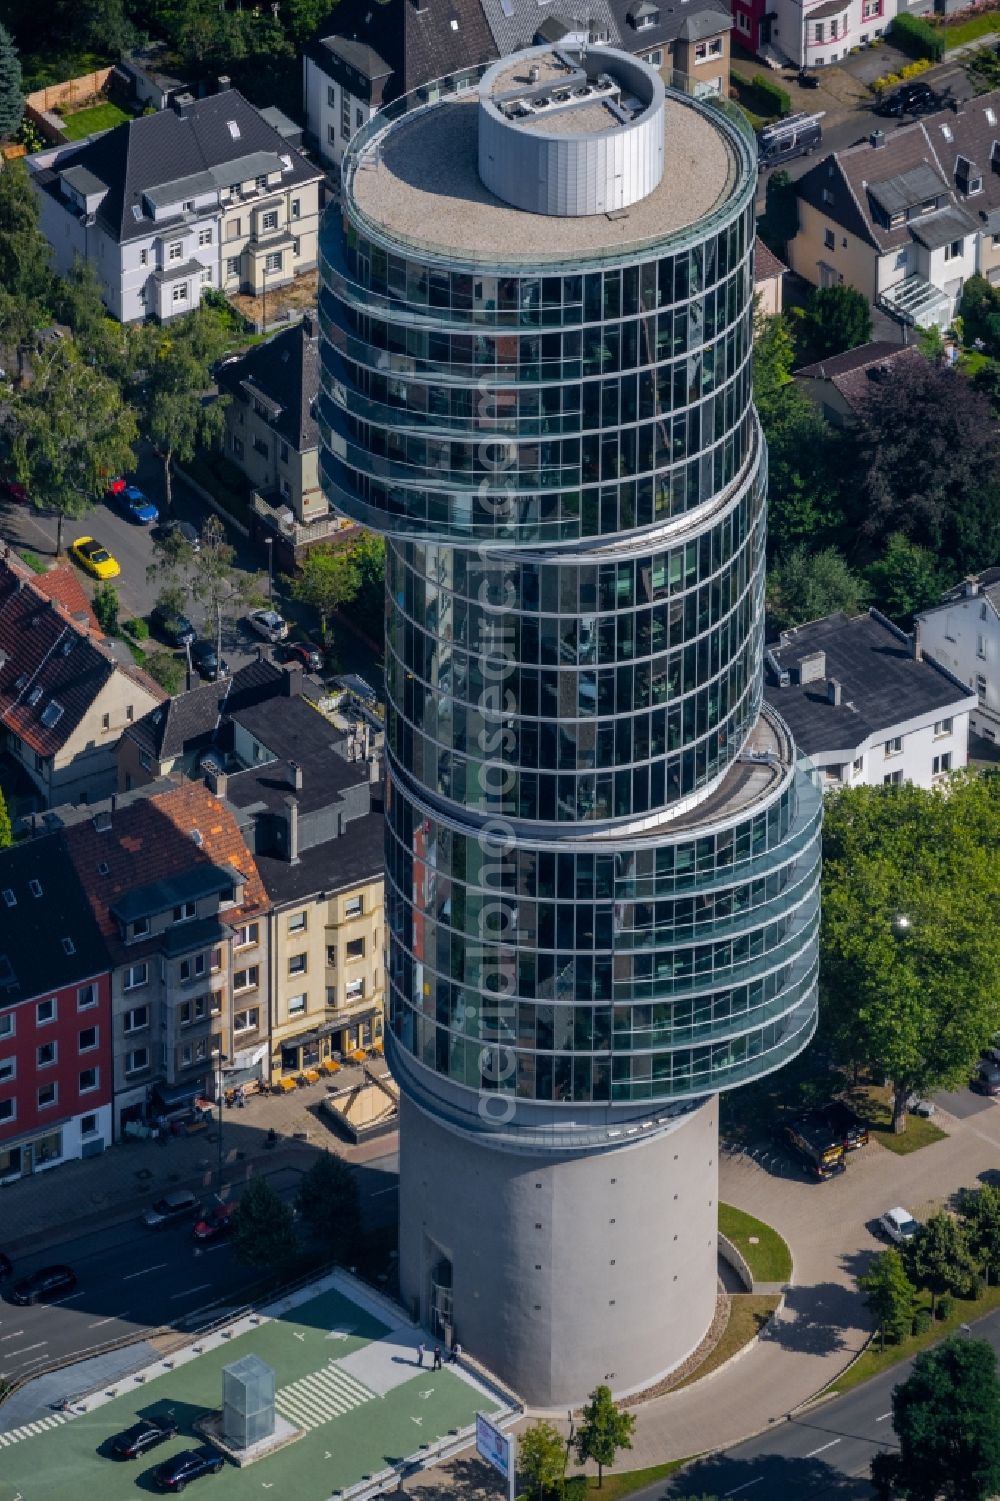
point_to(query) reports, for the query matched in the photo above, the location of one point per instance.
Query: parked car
(216, 1222)
(172, 625)
(269, 624)
(185, 531)
(147, 1434)
(898, 1225)
(205, 660)
(15, 492)
(181, 1204)
(797, 135)
(174, 1474)
(841, 1119)
(909, 99)
(94, 559)
(42, 1286)
(820, 1149)
(304, 652)
(133, 504)
(987, 1080)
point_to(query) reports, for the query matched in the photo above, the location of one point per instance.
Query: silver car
(180, 1204)
(269, 624)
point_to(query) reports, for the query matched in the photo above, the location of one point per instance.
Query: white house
(963, 634)
(866, 705)
(206, 193)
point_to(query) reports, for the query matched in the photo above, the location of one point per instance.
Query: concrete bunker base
(566, 1269)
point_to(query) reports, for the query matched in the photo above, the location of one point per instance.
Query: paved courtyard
(346, 1374)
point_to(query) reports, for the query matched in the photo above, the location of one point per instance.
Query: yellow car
(96, 559)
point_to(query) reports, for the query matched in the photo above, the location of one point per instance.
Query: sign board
(499, 1449)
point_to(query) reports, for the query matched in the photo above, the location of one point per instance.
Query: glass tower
(602, 856)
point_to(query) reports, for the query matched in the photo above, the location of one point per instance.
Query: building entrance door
(441, 1300)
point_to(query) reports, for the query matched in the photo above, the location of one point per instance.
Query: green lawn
(874, 1361)
(748, 1313)
(967, 31)
(629, 1481)
(872, 1102)
(86, 121)
(761, 1247)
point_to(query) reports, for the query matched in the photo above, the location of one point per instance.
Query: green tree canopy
(603, 1430)
(6, 830)
(946, 1416)
(980, 1210)
(940, 1258)
(368, 556)
(24, 251)
(979, 309)
(806, 586)
(179, 411)
(889, 1295)
(905, 579)
(328, 580)
(11, 97)
(836, 319)
(910, 946)
(329, 1206)
(263, 1226)
(541, 1461)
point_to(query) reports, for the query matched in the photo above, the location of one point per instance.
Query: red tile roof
(62, 585)
(766, 265)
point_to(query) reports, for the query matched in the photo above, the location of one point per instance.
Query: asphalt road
(132, 1280)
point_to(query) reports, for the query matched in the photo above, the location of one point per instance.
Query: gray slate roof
(515, 22)
(33, 960)
(692, 20)
(371, 38)
(285, 372)
(941, 228)
(193, 717)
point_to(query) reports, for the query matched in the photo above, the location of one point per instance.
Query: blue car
(136, 506)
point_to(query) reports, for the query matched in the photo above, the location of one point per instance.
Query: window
(345, 117)
(270, 219)
(871, 10)
(136, 1019)
(354, 990)
(8, 1024)
(297, 964)
(45, 1012)
(180, 293)
(205, 275)
(137, 1060)
(331, 134)
(234, 229)
(354, 906)
(893, 747)
(981, 648)
(941, 764)
(143, 257)
(331, 96)
(829, 240)
(205, 236)
(175, 250)
(105, 721)
(954, 250)
(8, 1111)
(359, 118)
(88, 1039)
(89, 1079)
(233, 265)
(48, 1094)
(356, 948)
(981, 685)
(260, 447)
(140, 928)
(46, 1054)
(296, 208)
(892, 778)
(297, 922)
(135, 976)
(185, 912)
(237, 446)
(859, 764)
(249, 934)
(296, 1005)
(215, 961)
(273, 261)
(704, 51)
(192, 968)
(283, 455)
(8, 1070)
(245, 979)
(88, 1125)
(943, 727)
(819, 32)
(246, 1021)
(743, 23)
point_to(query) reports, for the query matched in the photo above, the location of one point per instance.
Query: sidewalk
(100, 1191)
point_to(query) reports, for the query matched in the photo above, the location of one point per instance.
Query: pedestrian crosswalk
(28, 1430)
(318, 1398)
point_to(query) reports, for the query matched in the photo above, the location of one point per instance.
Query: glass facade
(602, 858)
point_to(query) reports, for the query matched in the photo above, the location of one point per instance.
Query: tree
(980, 1210)
(929, 454)
(946, 1416)
(773, 356)
(368, 556)
(6, 829)
(24, 250)
(329, 579)
(104, 342)
(889, 1295)
(106, 606)
(806, 586)
(836, 319)
(179, 411)
(11, 97)
(164, 668)
(780, 220)
(979, 309)
(71, 430)
(216, 583)
(906, 579)
(910, 948)
(603, 1430)
(328, 1203)
(541, 1460)
(940, 1258)
(263, 1226)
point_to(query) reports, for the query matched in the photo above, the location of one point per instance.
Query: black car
(310, 656)
(172, 626)
(185, 531)
(174, 1474)
(908, 99)
(143, 1436)
(205, 660)
(48, 1282)
(848, 1126)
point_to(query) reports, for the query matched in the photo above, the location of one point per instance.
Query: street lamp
(269, 544)
(219, 1102)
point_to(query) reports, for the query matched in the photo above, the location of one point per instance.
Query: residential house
(271, 432)
(207, 193)
(64, 697)
(841, 385)
(907, 216)
(866, 705)
(689, 43)
(963, 634)
(141, 79)
(812, 33)
(768, 279)
(380, 52)
(304, 805)
(181, 907)
(55, 1014)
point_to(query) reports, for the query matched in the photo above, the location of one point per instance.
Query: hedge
(914, 36)
(774, 93)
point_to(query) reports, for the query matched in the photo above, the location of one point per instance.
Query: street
(133, 1280)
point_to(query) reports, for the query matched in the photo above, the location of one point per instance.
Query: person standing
(420, 1353)
(437, 1357)
(456, 1351)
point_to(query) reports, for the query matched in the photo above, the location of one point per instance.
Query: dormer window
(975, 186)
(896, 221)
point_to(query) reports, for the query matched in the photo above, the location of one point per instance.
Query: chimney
(181, 103)
(876, 139)
(918, 645)
(114, 801)
(291, 686)
(218, 781)
(833, 692)
(970, 586)
(292, 819)
(812, 669)
(295, 775)
(224, 82)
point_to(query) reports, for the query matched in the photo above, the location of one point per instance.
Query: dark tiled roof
(32, 953)
(514, 23)
(691, 21)
(182, 722)
(858, 370)
(414, 45)
(358, 855)
(167, 146)
(882, 683)
(766, 265)
(948, 224)
(285, 370)
(292, 730)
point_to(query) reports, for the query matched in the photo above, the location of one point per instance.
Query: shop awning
(179, 1094)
